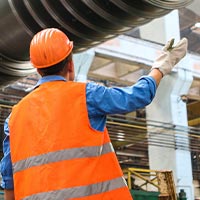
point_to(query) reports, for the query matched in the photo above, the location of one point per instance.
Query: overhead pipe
(86, 22)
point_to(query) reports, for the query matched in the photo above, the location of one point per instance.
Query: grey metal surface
(86, 22)
(1, 195)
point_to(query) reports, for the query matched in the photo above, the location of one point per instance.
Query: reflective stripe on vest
(80, 191)
(67, 154)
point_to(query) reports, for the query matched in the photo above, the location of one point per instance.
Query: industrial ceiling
(119, 71)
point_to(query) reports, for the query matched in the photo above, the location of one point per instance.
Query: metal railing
(152, 180)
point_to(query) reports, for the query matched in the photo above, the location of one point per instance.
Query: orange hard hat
(49, 47)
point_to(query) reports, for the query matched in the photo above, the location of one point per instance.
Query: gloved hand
(170, 56)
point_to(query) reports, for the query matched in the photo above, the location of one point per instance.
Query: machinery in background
(152, 184)
(87, 22)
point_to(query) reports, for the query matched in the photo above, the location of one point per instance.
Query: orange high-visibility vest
(56, 154)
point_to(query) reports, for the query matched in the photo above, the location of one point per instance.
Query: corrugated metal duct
(86, 22)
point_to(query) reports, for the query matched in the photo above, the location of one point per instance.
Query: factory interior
(165, 135)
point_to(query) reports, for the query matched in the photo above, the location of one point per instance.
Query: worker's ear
(70, 66)
(70, 69)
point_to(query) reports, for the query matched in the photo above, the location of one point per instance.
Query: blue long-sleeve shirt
(100, 102)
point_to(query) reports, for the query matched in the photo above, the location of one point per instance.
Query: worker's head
(51, 52)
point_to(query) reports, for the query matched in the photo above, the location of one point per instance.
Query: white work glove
(170, 56)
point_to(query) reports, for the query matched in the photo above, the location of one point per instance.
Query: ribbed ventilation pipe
(86, 22)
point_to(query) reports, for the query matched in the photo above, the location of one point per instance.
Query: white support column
(82, 63)
(168, 107)
(183, 81)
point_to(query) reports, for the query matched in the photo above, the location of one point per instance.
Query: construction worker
(56, 145)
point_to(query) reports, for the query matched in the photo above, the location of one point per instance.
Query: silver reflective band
(79, 191)
(67, 154)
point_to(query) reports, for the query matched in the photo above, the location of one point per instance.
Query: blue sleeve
(6, 165)
(102, 100)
